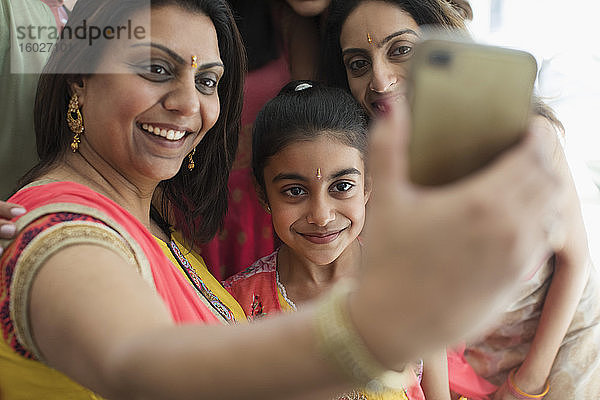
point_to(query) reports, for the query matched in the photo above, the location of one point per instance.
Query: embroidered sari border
(38, 251)
(142, 261)
(219, 309)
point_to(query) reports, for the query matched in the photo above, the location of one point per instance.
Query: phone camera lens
(440, 58)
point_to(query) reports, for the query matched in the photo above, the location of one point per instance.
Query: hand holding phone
(469, 102)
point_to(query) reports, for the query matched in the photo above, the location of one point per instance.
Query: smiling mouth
(380, 108)
(321, 238)
(169, 134)
(384, 106)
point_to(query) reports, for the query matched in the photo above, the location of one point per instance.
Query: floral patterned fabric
(576, 370)
(255, 288)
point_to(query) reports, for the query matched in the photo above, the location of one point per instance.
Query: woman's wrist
(374, 325)
(343, 344)
(523, 388)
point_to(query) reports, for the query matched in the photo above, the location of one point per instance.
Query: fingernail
(17, 211)
(8, 229)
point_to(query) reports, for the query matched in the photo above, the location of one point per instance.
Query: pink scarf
(463, 378)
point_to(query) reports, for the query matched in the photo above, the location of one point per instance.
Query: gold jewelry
(518, 393)
(369, 38)
(194, 62)
(318, 174)
(75, 122)
(268, 209)
(338, 340)
(191, 164)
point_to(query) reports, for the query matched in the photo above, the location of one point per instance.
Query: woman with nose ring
(537, 347)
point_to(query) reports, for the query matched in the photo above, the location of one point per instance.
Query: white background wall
(564, 36)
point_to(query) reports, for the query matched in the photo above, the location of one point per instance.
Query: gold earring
(268, 209)
(75, 122)
(191, 164)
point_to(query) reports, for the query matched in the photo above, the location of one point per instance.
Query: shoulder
(67, 210)
(59, 215)
(27, 253)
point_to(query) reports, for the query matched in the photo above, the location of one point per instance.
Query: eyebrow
(384, 41)
(177, 57)
(347, 171)
(298, 177)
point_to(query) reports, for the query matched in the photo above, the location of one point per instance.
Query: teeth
(167, 134)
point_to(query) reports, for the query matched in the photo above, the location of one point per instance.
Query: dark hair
(302, 111)
(439, 13)
(463, 7)
(200, 195)
(259, 33)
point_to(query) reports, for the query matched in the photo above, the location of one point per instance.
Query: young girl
(309, 147)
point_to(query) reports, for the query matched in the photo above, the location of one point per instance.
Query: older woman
(92, 306)
(543, 339)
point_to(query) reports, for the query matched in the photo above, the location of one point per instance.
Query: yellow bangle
(514, 389)
(338, 340)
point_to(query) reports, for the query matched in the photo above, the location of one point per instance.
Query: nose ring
(384, 89)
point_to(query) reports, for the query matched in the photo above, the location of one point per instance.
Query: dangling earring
(268, 209)
(191, 164)
(75, 122)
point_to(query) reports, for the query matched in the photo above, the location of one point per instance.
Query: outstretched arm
(116, 337)
(96, 320)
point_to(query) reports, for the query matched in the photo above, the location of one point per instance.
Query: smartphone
(469, 102)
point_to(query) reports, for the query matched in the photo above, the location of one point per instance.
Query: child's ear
(262, 196)
(368, 187)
